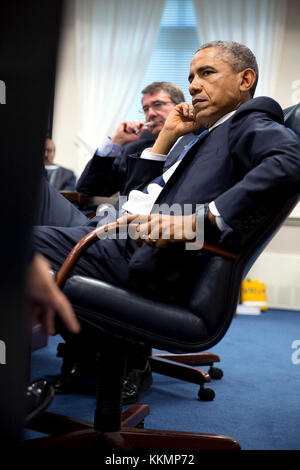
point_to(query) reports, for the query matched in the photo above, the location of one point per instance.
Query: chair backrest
(215, 292)
(292, 118)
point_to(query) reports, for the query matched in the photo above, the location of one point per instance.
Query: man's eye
(206, 72)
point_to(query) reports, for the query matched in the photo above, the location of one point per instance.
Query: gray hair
(175, 94)
(238, 55)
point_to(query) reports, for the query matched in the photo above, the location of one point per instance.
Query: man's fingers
(126, 219)
(64, 309)
(48, 320)
(162, 244)
(133, 127)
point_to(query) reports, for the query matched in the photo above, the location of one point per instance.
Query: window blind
(174, 48)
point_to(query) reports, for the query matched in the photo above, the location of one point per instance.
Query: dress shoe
(72, 380)
(79, 375)
(39, 394)
(74, 371)
(136, 383)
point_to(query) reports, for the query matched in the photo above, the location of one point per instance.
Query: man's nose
(151, 113)
(195, 86)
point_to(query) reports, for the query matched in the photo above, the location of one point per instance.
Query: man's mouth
(198, 100)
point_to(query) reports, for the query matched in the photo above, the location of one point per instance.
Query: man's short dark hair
(238, 55)
(175, 94)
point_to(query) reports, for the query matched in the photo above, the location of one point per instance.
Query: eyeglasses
(156, 105)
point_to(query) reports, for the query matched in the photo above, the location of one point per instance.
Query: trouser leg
(55, 210)
(103, 260)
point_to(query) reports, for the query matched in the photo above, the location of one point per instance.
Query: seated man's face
(214, 86)
(49, 152)
(157, 108)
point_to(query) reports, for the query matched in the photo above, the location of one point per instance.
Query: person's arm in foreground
(46, 299)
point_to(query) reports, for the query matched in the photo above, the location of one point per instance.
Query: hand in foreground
(128, 132)
(46, 299)
(158, 230)
(181, 120)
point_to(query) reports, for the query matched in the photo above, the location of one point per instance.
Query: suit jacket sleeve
(66, 180)
(267, 156)
(102, 176)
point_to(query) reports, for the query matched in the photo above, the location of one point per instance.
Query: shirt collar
(221, 120)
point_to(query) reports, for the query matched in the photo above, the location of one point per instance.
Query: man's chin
(203, 116)
(155, 130)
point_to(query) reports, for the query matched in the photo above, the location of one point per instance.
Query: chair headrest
(292, 118)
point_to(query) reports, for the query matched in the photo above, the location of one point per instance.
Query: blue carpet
(257, 400)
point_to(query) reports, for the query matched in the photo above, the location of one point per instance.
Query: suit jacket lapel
(183, 164)
(177, 150)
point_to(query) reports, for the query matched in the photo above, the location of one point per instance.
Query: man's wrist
(116, 140)
(211, 217)
(205, 220)
(108, 149)
(165, 142)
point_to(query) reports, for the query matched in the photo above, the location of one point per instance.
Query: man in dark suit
(236, 170)
(59, 177)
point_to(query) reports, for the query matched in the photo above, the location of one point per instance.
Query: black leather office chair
(117, 318)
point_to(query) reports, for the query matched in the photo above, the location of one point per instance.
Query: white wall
(279, 267)
(289, 71)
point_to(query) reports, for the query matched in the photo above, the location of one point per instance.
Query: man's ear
(248, 77)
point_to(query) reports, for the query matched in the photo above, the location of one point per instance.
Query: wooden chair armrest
(216, 250)
(86, 200)
(74, 196)
(74, 256)
(93, 236)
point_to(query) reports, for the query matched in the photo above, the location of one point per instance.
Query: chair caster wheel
(215, 373)
(141, 425)
(206, 394)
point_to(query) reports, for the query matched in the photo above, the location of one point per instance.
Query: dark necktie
(159, 180)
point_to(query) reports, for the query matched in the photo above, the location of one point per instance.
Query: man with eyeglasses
(104, 174)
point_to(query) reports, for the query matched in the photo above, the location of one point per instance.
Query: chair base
(68, 434)
(183, 367)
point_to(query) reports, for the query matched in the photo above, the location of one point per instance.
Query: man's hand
(46, 299)
(158, 230)
(128, 132)
(181, 120)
